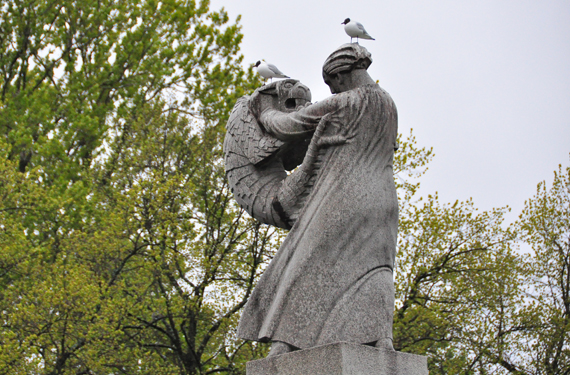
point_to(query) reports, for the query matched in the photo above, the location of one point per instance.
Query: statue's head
(285, 95)
(346, 59)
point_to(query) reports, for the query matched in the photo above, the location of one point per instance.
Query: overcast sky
(485, 83)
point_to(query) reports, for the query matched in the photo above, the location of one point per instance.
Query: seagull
(269, 70)
(355, 30)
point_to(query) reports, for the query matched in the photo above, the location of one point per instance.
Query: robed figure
(332, 279)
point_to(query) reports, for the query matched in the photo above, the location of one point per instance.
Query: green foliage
(69, 68)
(122, 251)
(545, 226)
(410, 163)
(121, 248)
(457, 277)
(467, 296)
(456, 271)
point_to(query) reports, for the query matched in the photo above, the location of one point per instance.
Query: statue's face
(285, 95)
(335, 83)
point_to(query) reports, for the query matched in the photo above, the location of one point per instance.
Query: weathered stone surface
(331, 280)
(340, 359)
(256, 162)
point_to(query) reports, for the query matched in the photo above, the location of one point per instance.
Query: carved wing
(253, 183)
(256, 172)
(254, 142)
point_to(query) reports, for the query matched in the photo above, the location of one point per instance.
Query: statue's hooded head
(346, 58)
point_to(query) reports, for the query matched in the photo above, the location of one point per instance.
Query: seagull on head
(355, 30)
(269, 70)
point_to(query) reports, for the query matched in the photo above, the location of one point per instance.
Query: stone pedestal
(341, 358)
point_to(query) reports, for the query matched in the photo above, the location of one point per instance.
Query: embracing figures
(331, 280)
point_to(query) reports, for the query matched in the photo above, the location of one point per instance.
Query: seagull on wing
(355, 30)
(269, 70)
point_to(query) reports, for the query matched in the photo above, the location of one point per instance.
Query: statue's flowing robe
(331, 280)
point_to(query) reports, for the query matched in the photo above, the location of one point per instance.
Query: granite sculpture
(331, 281)
(257, 163)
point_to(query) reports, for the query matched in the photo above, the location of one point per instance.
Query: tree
(467, 296)
(544, 225)
(122, 251)
(200, 254)
(456, 271)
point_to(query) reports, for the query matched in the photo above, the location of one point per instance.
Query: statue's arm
(296, 125)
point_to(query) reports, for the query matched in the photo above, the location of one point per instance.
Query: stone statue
(331, 280)
(257, 163)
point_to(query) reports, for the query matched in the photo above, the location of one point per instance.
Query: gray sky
(485, 83)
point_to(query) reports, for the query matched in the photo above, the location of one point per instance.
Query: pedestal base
(341, 358)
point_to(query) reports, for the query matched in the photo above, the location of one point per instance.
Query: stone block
(341, 358)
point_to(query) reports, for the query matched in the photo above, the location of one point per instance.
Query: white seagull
(269, 70)
(355, 30)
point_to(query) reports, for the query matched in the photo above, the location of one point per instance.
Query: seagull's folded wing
(274, 69)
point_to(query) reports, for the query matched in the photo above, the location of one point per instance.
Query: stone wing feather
(253, 142)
